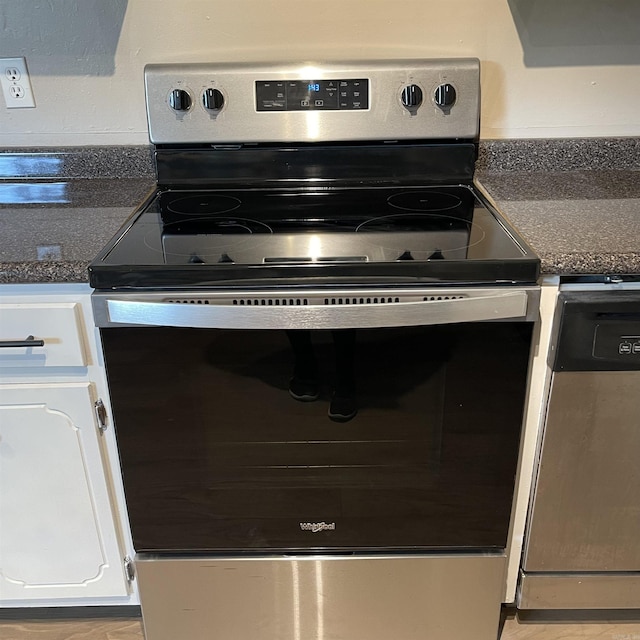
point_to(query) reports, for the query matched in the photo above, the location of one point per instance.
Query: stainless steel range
(317, 335)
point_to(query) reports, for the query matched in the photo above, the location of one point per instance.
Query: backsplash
(77, 162)
(559, 154)
(535, 154)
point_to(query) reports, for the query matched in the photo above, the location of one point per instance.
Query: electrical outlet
(16, 86)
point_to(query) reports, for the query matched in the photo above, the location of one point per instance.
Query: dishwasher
(582, 547)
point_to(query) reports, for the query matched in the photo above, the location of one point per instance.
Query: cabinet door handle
(29, 341)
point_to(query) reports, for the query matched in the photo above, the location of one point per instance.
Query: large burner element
(202, 204)
(222, 225)
(424, 200)
(416, 222)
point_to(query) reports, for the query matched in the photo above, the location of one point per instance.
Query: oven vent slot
(298, 302)
(187, 301)
(360, 300)
(270, 302)
(436, 298)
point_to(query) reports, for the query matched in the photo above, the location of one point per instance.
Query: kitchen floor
(131, 629)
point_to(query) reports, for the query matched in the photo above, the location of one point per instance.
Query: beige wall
(551, 68)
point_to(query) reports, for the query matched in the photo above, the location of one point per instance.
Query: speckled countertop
(577, 203)
(59, 208)
(577, 222)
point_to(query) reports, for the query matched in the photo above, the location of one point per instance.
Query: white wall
(551, 68)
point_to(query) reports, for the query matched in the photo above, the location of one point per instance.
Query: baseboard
(577, 616)
(67, 613)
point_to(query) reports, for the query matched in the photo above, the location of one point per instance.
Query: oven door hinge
(101, 415)
(129, 569)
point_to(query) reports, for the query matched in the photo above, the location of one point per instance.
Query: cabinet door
(57, 533)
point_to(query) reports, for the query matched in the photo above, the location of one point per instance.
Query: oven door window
(373, 440)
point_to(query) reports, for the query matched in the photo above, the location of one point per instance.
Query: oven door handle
(500, 306)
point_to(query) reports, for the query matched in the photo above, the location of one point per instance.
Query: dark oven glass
(218, 456)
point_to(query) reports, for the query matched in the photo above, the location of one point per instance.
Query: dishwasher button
(636, 348)
(624, 348)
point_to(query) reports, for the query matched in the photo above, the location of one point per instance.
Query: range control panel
(350, 101)
(307, 95)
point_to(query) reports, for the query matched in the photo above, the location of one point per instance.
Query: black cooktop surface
(435, 234)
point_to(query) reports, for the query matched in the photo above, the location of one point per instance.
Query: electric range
(317, 334)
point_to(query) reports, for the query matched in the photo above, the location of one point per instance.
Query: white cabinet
(63, 533)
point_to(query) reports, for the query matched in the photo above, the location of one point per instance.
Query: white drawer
(59, 325)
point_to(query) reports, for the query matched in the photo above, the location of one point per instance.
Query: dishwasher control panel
(615, 339)
(597, 331)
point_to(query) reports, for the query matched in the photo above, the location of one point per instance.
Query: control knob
(445, 96)
(411, 97)
(180, 100)
(212, 99)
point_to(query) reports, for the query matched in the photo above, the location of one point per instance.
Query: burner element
(424, 201)
(409, 222)
(204, 205)
(237, 226)
(215, 226)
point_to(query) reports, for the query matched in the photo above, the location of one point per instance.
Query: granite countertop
(59, 208)
(576, 202)
(55, 242)
(578, 222)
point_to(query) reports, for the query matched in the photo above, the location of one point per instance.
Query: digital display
(312, 95)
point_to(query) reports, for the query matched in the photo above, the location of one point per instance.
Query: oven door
(221, 452)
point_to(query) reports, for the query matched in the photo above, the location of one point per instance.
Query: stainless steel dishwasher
(582, 548)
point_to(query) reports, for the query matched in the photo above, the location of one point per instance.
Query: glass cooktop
(401, 234)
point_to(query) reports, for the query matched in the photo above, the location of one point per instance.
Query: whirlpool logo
(316, 527)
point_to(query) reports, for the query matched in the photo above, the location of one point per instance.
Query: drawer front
(58, 325)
